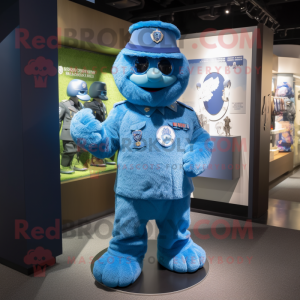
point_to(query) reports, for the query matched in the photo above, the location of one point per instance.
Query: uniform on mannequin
(76, 90)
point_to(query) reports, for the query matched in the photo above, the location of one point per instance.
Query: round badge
(83, 85)
(165, 135)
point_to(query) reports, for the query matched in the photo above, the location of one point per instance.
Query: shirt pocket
(137, 135)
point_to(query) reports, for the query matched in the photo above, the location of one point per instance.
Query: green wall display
(90, 67)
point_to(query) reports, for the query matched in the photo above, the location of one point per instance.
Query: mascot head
(150, 70)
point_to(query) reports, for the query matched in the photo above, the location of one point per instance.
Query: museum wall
(85, 28)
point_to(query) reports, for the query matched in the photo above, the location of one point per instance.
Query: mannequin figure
(98, 91)
(77, 89)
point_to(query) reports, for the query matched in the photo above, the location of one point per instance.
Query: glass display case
(85, 81)
(284, 123)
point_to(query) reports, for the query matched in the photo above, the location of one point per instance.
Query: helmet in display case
(78, 88)
(98, 89)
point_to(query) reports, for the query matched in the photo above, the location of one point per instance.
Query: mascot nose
(154, 75)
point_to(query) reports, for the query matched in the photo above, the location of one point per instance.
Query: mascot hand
(195, 159)
(84, 127)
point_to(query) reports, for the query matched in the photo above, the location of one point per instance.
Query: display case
(87, 183)
(283, 124)
(85, 81)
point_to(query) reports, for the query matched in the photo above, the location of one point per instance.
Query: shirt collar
(173, 106)
(74, 104)
(148, 111)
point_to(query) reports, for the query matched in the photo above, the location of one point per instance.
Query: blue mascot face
(152, 76)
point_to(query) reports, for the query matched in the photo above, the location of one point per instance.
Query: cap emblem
(157, 36)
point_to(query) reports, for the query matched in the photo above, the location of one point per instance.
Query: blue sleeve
(100, 139)
(198, 153)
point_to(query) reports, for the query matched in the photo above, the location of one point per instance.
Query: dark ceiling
(192, 16)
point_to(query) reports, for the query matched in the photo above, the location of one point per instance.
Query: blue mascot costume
(161, 146)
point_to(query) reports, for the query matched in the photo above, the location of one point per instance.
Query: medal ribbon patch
(137, 136)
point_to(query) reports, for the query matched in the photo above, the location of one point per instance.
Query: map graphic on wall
(220, 85)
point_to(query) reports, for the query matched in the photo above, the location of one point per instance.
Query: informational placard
(221, 85)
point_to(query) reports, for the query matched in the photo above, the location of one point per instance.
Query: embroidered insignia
(146, 109)
(157, 36)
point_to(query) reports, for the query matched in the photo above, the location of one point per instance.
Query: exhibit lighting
(227, 10)
(260, 16)
(248, 12)
(243, 5)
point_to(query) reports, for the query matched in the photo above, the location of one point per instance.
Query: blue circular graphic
(215, 104)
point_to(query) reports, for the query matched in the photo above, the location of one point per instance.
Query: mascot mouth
(153, 80)
(151, 90)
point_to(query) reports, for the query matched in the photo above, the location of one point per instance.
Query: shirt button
(146, 109)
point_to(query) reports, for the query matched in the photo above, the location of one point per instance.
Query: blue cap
(154, 37)
(78, 88)
(198, 85)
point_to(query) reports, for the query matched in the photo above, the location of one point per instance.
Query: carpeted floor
(288, 190)
(263, 267)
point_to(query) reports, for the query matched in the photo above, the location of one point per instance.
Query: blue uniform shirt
(151, 171)
(147, 169)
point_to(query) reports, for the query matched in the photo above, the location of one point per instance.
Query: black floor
(284, 212)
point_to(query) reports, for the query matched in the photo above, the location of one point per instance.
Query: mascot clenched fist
(161, 146)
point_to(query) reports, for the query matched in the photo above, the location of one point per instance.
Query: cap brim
(103, 97)
(84, 97)
(151, 54)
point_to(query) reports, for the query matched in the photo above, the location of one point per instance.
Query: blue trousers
(130, 235)
(123, 262)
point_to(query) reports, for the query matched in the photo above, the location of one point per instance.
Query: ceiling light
(227, 10)
(248, 12)
(243, 5)
(260, 16)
